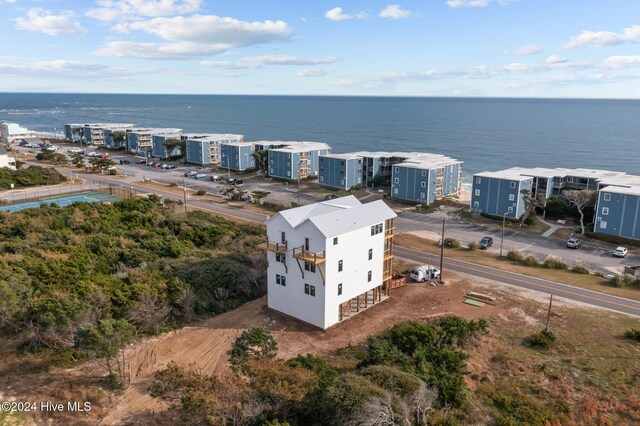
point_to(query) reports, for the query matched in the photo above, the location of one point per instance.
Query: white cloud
(312, 72)
(604, 38)
(529, 49)
(8, 1)
(556, 59)
(467, 3)
(262, 61)
(24, 67)
(394, 11)
(337, 14)
(194, 36)
(40, 20)
(478, 3)
(620, 61)
(112, 10)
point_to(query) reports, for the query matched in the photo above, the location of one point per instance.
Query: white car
(92, 154)
(75, 150)
(620, 252)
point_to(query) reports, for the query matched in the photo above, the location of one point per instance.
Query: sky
(484, 48)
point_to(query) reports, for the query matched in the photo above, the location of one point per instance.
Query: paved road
(595, 258)
(602, 300)
(606, 301)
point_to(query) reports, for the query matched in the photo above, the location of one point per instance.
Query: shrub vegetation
(30, 176)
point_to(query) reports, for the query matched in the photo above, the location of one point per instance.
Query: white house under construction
(329, 260)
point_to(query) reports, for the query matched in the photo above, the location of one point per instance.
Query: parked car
(191, 173)
(75, 150)
(620, 252)
(171, 166)
(125, 162)
(574, 243)
(486, 242)
(141, 162)
(424, 273)
(123, 173)
(92, 154)
(150, 163)
(200, 176)
(157, 165)
(164, 166)
(215, 178)
(50, 147)
(330, 197)
(105, 155)
(239, 181)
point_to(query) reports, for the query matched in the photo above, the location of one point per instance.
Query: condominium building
(329, 260)
(295, 159)
(158, 148)
(115, 137)
(204, 149)
(73, 132)
(237, 156)
(10, 132)
(140, 141)
(618, 211)
(426, 178)
(340, 171)
(6, 160)
(94, 133)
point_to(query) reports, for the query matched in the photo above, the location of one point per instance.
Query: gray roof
(338, 216)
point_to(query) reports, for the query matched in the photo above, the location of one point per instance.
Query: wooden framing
(277, 247)
(309, 256)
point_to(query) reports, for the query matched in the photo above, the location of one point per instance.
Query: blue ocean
(486, 133)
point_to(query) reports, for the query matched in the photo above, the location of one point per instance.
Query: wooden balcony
(277, 247)
(308, 256)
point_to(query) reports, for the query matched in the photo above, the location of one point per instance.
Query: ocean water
(487, 134)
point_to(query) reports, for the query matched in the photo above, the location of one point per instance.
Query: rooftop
(628, 190)
(212, 136)
(156, 130)
(342, 156)
(338, 216)
(295, 146)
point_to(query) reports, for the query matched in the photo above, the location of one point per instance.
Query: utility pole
(504, 219)
(546, 327)
(442, 254)
(184, 194)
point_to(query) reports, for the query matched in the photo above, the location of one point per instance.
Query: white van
(424, 273)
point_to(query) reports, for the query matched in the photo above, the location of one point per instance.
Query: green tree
(171, 145)
(260, 158)
(378, 180)
(51, 157)
(255, 343)
(557, 206)
(531, 202)
(102, 163)
(107, 340)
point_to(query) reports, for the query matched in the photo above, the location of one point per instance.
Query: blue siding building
(500, 193)
(94, 133)
(342, 171)
(296, 159)
(158, 149)
(205, 149)
(110, 139)
(426, 178)
(237, 156)
(618, 212)
(73, 132)
(140, 141)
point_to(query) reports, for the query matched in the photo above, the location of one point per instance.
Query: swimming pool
(63, 200)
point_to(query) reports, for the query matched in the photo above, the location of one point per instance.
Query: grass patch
(590, 282)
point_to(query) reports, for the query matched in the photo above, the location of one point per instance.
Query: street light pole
(184, 193)
(442, 254)
(504, 219)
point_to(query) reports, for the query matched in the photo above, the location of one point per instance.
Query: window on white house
(281, 257)
(306, 244)
(283, 281)
(283, 237)
(339, 289)
(512, 185)
(308, 266)
(607, 196)
(277, 278)
(370, 254)
(605, 211)
(477, 192)
(369, 276)
(310, 290)
(339, 265)
(512, 197)
(335, 241)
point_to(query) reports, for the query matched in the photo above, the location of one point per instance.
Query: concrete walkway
(553, 227)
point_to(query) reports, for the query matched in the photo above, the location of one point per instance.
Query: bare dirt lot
(204, 347)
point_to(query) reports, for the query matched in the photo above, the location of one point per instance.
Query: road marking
(557, 287)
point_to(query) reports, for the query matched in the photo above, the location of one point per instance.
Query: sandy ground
(204, 347)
